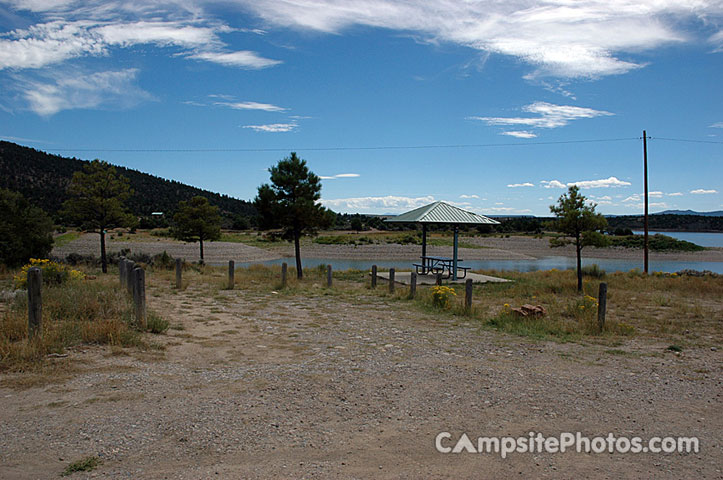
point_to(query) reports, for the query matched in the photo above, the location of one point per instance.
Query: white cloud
(47, 44)
(73, 91)
(584, 38)
(517, 185)
(716, 125)
(701, 191)
(604, 183)
(62, 39)
(675, 194)
(273, 127)
(553, 184)
(717, 39)
(242, 59)
(508, 210)
(468, 196)
(520, 134)
(548, 116)
(340, 175)
(266, 107)
(655, 194)
(386, 204)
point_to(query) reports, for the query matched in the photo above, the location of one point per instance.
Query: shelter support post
(424, 242)
(454, 257)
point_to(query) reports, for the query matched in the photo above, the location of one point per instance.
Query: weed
(155, 323)
(84, 465)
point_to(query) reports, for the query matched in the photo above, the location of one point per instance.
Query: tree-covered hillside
(689, 223)
(43, 179)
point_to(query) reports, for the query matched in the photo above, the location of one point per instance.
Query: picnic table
(437, 265)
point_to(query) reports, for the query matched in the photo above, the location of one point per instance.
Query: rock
(528, 310)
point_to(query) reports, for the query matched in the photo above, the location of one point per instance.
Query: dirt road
(272, 385)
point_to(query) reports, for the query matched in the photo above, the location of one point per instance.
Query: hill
(667, 221)
(43, 179)
(717, 213)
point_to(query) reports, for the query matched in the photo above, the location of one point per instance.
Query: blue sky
(496, 106)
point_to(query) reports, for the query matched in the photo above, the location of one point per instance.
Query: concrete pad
(405, 278)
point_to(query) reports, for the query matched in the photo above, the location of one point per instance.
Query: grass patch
(65, 238)
(84, 465)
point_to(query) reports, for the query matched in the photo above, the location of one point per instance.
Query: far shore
(492, 248)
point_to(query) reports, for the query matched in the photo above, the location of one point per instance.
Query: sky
(493, 106)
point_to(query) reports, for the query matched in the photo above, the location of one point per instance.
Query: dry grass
(83, 312)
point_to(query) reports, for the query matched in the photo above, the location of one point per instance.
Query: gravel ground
(265, 385)
(513, 248)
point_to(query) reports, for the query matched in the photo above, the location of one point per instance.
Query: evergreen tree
(291, 203)
(196, 221)
(580, 223)
(25, 230)
(97, 203)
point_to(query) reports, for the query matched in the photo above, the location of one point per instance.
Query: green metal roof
(440, 212)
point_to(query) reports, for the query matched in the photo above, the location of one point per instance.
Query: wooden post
(130, 273)
(231, 272)
(391, 280)
(374, 276)
(439, 279)
(413, 285)
(468, 294)
(328, 276)
(121, 270)
(284, 269)
(139, 296)
(35, 302)
(602, 301)
(179, 273)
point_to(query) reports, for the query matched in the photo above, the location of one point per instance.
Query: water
(547, 263)
(704, 239)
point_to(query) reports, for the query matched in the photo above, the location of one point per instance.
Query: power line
(684, 140)
(384, 147)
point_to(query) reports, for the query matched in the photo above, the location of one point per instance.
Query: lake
(547, 263)
(704, 239)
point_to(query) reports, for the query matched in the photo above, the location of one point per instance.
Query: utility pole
(645, 175)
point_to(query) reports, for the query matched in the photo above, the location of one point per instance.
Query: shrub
(53, 273)
(79, 259)
(442, 296)
(163, 260)
(593, 271)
